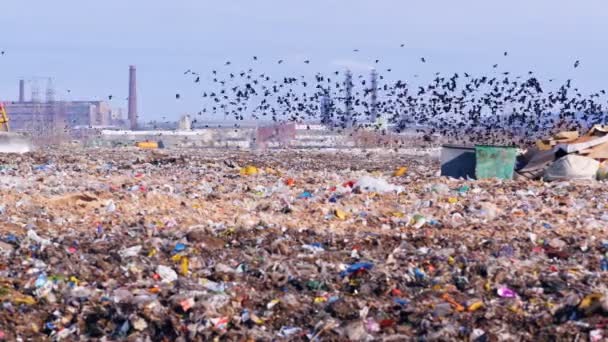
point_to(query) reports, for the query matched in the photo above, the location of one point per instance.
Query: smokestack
(132, 97)
(21, 91)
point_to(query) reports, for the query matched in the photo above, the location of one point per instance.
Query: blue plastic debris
(334, 198)
(124, 329)
(357, 267)
(41, 280)
(333, 299)
(179, 247)
(419, 274)
(401, 301)
(12, 238)
(305, 195)
(604, 264)
(40, 167)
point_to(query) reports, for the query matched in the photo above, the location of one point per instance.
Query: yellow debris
(340, 214)
(487, 286)
(184, 266)
(249, 170)
(320, 300)
(475, 306)
(400, 171)
(21, 299)
(590, 299)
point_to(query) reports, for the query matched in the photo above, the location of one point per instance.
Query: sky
(87, 46)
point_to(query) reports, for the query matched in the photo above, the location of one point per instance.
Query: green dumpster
(495, 161)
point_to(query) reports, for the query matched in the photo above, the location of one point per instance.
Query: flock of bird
(498, 108)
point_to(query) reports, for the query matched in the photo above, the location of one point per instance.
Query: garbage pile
(216, 245)
(569, 156)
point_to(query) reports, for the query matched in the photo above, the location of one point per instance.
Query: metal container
(458, 161)
(495, 161)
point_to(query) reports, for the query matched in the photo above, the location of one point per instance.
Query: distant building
(38, 117)
(185, 123)
(326, 110)
(35, 116)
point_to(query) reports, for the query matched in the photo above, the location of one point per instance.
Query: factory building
(51, 116)
(37, 116)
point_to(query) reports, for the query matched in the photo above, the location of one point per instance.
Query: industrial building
(50, 116)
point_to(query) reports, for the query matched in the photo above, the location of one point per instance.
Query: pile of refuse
(219, 245)
(569, 156)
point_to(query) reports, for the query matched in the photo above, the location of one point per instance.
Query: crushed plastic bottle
(167, 274)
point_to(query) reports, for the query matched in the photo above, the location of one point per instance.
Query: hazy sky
(87, 46)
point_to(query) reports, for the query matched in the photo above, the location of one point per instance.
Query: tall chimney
(21, 91)
(132, 97)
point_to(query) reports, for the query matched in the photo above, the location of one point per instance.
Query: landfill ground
(184, 245)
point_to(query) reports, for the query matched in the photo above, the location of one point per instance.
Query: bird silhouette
(472, 108)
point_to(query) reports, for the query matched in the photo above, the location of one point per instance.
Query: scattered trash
(202, 253)
(371, 184)
(167, 274)
(506, 292)
(249, 170)
(572, 167)
(340, 214)
(305, 195)
(357, 268)
(400, 171)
